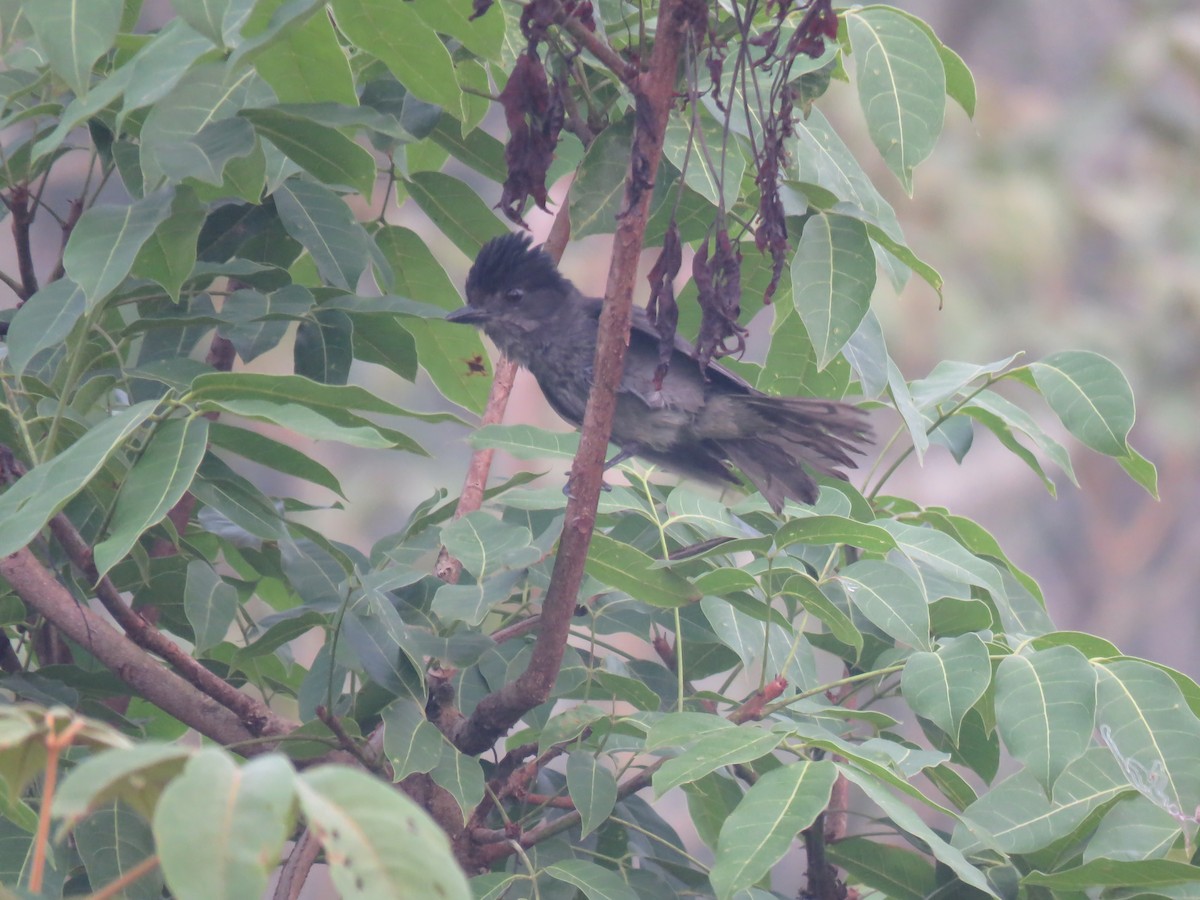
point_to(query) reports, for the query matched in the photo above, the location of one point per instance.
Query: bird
(700, 423)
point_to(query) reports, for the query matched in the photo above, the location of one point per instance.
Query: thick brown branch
(654, 91)
(41, 591)
(253, 714)
(23, 215)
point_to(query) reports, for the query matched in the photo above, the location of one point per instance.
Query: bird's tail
(795, 433)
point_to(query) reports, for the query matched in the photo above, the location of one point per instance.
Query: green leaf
(1133, 829)
(382, 340)
(942, 686)
(218, 20)
(111, 842)
(1015, 816)
(476, 149)
(306, 64)
(357, 819)
(1142, 874)
(325, 153)
(134, 775)
(717, 187)
(834, 530)
(206, 94)
(269, 452)
(324, 348)
(456, 209)
(320, 220)
(106, 241)
(710, 801)
(1091, 397)
(210, 604)
(761, 830)
(901, 87)
(326, 399)
(833, 275)
(1141, 470)
(462, 776)
(155, 483)
(44, 321)
(809, 593)
(45, 489)
(375, 632)
(628, 569)
(236, 499)
(1144, 721)
(726, 747)
(169, 254)
(887, 596)
(527, 441)
(1046, 709)
(944, 555)
(907, 820)
(395, 33)
(592, 787)
(599, 183)
(483, 543)
(895, 872)
(412, 743)
(220, 827)
(208, 152)
(595, 881)
(74, 34)
(482, 35)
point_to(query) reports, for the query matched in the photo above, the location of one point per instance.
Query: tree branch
(38, 588)
(253, 714)
(654, 91)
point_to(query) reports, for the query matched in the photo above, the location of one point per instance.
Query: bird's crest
(509, 261)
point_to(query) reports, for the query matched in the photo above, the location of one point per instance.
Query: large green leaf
(712, 751)
(833, 275)
(157, 481)
(887, 596)
(595, 881)
(456, 209)
(44, 321)
(898, 873)
(320, 220)
(74, 34)
(942, 686)
(630, 570)
(220, 828)
(1091, 397)
(169, 255)
(901, 86)
(1143, 875)
(45, 489)
(323, 152)
(106, 241)
(112, 841)
(412, 743)
(1144, 721)
(761, 830)
(358, 817)
(593, 789)
(1046, 709)
(210, 604)
(1016, 816)
(396, 34)
(307, 64)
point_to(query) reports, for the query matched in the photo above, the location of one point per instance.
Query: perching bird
(696, 423)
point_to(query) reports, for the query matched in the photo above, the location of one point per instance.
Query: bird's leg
(627, 452)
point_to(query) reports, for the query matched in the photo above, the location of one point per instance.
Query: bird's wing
(643, 344)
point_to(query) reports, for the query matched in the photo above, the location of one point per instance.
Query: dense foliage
(845, 678)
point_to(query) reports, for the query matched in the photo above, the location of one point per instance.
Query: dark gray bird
(696, 423)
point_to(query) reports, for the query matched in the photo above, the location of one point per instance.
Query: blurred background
(1063, 216)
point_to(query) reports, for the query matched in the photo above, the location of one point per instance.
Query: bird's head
(513, 289)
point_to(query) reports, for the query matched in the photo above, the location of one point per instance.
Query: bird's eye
(514, 295)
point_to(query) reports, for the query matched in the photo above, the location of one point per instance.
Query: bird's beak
(469, 315)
